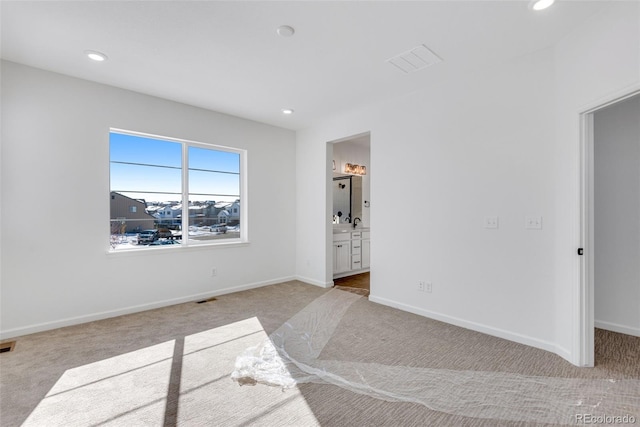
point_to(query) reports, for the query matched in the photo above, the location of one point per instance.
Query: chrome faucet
(355, 221)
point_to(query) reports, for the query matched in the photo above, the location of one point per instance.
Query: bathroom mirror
(347, 198)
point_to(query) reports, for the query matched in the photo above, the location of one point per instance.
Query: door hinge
(580, 251)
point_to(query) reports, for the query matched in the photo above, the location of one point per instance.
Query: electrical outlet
(490, 222)
(214, 272)
(429, 287)
(421, 286)
(533, 222)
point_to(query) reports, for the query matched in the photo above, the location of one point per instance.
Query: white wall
(451, 154)
(617, 217)
(55, 204)
(500, 142)
(593, 64)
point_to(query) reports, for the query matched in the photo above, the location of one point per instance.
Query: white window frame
(186, 242)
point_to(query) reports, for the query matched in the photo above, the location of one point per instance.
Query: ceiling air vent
(415, 59)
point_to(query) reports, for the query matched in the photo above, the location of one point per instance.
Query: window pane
(146, 181)
(214, 191)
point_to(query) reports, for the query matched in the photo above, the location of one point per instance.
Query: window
(181, 189)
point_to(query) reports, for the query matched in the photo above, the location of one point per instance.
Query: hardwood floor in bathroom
(360, 281)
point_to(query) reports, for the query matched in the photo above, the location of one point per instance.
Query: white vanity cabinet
(341, 253)
(350, 252)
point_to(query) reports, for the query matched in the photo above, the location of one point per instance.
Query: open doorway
(350, 211)
(611, 231)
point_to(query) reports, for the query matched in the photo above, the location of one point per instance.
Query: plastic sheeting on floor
(291, 356)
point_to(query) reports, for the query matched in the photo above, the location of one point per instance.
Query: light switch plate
(533, 222)
(490, 222)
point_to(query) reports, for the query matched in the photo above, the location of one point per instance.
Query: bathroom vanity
(351, 251)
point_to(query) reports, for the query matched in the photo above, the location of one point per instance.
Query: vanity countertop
(348, 229)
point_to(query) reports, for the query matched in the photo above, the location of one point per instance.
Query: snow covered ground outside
(120, 242)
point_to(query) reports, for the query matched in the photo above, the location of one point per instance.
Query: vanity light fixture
(95, 55)
(348, 168)
(541, 4)
(353, 169)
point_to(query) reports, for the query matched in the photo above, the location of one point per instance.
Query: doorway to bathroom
(350, 212)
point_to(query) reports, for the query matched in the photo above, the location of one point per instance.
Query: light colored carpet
(171, 366)
(357, 291)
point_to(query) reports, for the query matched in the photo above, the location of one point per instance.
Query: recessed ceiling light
(95, 55)
(285, 31)
(287, 111)
(541, 4)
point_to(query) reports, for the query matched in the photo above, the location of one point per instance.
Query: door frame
(329, 197)
(586, 302)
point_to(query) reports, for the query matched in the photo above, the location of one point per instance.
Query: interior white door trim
(585, 313)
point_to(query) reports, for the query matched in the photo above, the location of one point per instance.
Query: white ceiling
(226, 56)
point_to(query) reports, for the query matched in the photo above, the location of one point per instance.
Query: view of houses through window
(153, 203)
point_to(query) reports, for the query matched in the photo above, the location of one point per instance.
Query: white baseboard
(478, 327)
(315, 282)
(39, 327)
(566, 355)
(615, 327)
